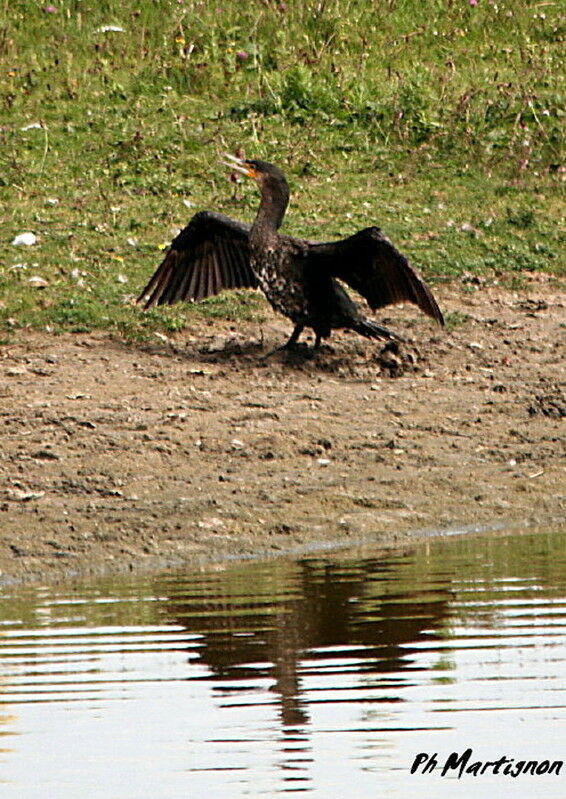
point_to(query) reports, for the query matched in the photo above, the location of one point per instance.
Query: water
(321, 676)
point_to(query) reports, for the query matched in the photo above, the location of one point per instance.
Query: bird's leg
(317, 340)
(293, 338)
(290, 344)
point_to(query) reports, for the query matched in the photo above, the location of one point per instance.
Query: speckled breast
(284, 289)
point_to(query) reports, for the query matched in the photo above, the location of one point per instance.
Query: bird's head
(270, 179)
(265, 175)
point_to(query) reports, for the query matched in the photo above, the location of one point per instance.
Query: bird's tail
(369, 329)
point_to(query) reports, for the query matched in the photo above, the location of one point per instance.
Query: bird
(301, 279)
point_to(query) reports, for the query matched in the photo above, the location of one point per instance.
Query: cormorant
(297, 276)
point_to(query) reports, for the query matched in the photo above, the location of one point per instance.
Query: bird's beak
(238, 165)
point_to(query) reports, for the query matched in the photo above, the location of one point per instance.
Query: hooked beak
(238, 165)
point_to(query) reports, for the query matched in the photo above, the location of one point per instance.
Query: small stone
(24, 240)
(38, 282)
(25, 496)
(211, 524)
(45, 455)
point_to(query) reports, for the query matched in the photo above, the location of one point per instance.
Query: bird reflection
(295, 619)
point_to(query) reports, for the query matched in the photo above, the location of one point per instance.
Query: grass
(442, 122)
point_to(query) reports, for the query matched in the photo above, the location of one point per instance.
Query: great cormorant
(298, 277)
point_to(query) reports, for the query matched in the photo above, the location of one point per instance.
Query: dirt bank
(118, 456)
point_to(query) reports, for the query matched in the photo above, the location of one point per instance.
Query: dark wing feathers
(211, 254)
(370, 264)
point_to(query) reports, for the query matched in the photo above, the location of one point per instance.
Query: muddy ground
(117, 456)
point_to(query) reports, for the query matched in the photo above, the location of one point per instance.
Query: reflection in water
(309, 606)
(306, 675)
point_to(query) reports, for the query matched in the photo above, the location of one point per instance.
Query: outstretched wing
(370, 264)
(211, 254)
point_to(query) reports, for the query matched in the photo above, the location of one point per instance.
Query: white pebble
(38, 282)
(24, 240)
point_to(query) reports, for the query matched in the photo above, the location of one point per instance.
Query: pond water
(320, 675)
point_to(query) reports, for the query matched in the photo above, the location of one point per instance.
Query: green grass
(441, 122)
